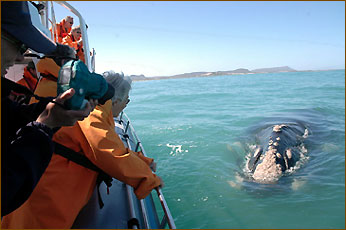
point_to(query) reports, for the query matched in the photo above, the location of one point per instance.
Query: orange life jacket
(48, 66)
(80, 53)
(70, 41)
(49, 71)
(61, 31)
(28, 80)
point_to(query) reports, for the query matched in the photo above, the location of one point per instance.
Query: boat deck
(117, 212)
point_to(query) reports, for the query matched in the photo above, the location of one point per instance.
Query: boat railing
(93, 65)
(83, 26)
(167, 218)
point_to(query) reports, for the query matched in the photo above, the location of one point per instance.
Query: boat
(128, 211)
(121, 207)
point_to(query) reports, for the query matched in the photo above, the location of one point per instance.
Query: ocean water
(199, 131)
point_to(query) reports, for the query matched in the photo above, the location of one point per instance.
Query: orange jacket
(80, 53)
(70, 41)
(61, 31)
(46, 87)
(28, 80)
(66, 187)
(48, 66)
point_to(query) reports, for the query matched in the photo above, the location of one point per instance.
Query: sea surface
(199, 131)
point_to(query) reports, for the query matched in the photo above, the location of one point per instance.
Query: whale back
(278, 151)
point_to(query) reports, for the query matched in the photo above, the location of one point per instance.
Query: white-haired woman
(66, 187)
(122, 86)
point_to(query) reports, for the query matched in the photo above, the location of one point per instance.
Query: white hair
(68, 17)
(121, 84)
(75, 29)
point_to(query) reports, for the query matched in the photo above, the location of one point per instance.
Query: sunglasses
(128, 101)
(22, 48)
(71, 23)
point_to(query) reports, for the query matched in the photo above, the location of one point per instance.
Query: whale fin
(256, 156)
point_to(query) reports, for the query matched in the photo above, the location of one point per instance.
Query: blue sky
(167, 38)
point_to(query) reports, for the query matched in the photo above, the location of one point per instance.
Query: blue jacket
(26, 149)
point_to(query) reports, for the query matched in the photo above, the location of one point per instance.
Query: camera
(75, 74)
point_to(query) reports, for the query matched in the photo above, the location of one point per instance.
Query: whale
(280, 147)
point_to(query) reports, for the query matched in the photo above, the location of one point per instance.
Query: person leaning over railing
(62, 28)
(74, 40)
(66, 187)
(26, 131)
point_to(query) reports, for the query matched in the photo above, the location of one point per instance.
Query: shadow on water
(314, 120)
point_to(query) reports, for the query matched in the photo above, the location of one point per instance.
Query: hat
(16, 20)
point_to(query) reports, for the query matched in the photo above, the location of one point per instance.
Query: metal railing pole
(163, 202)
(131, 204)
(144, 210)
(166, 209)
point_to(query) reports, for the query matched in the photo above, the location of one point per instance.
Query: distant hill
(231, 72)
(138, 77)
(206, 74)
(187, 75)
(216, 73)
(274, 70)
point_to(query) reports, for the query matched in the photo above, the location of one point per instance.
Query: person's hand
(153, 166)
(56, 116)
(93, 103)
(162, 184)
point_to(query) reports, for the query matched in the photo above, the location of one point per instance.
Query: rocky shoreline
(240, 71)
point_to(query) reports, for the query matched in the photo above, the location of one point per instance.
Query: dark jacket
(26, 149)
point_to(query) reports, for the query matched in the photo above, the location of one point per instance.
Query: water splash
(176, 149)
